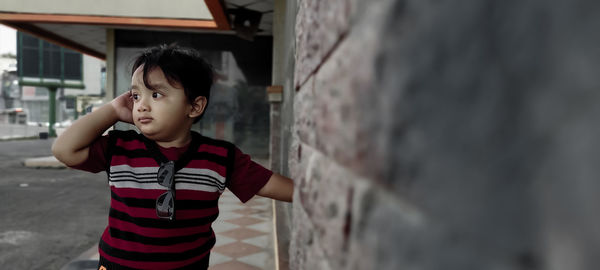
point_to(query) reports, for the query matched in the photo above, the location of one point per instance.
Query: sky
(8, 40)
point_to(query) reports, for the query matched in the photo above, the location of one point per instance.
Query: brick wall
(445, 135)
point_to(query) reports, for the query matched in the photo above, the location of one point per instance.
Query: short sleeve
(247, 177)
(96, 161)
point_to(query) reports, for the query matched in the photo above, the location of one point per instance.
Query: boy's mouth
(145, 120)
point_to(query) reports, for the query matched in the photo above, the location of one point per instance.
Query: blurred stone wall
(445, 134)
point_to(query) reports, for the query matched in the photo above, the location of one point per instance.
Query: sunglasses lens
(165, 205)
(165, 174)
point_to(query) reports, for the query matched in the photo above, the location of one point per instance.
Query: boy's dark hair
(180, 65)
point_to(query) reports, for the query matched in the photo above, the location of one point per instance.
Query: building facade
(8, 82)
(116, 32)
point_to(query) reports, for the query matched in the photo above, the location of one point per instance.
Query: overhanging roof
(81, 25)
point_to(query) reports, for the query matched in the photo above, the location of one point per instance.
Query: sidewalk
(245, 238)
(14, 131)
(43, 162)
(244, 234)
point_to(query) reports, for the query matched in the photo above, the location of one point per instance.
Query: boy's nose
(143, 106)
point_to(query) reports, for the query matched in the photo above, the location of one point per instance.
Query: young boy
(166, 181)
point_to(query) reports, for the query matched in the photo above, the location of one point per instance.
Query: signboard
(43, 64)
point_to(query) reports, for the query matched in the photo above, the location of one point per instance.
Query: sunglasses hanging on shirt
(165, 203)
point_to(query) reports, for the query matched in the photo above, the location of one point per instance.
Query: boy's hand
(123, 105)
(72, 146)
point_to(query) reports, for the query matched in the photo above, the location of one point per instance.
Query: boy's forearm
(71, 147)
(279, 188)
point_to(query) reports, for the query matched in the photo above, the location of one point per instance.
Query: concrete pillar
(274, 94)
(282, 118)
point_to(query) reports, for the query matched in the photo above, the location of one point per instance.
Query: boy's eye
(156, 95)
(134, 96)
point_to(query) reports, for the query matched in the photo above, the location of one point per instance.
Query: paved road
(47, 216)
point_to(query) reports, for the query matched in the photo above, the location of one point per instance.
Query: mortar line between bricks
(326, 57)
(406, 205)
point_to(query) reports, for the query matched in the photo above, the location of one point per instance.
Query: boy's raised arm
(71, 147)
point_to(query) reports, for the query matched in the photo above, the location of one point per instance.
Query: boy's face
(162, 114)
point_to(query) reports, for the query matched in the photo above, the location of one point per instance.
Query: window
(51, 60)
(71, 102)
(41, 59)
(29, 56)
(72, 65)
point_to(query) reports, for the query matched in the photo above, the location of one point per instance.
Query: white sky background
(8, 40)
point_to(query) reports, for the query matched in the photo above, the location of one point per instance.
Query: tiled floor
(244, 234)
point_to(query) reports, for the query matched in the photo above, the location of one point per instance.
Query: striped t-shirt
(135, 237)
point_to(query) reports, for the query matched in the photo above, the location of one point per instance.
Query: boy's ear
(198, 107)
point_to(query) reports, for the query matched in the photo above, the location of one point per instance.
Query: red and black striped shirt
(135, 237)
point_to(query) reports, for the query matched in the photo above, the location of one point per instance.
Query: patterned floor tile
(222, 226)
(228, 199)
(230, 207)
(248, 211)
(244, 221)
(263, 227)
(256, 202)
(223, 215)
(224, 240)
(237, 249)
(233, 265)
(217, 258)
(242, 233)
(259, 259)
(264, 241)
